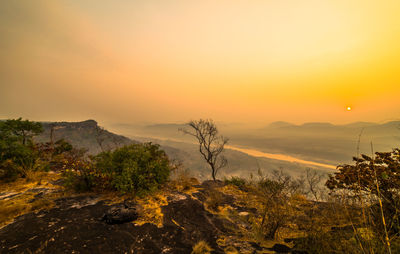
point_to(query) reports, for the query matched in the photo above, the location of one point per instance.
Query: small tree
(24, 130)
(18, 153)
(211, 144)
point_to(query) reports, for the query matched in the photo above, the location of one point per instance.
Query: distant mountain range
(321, 142)
(324, 125)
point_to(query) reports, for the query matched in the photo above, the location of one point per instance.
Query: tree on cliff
(211, 144)
(18, 154)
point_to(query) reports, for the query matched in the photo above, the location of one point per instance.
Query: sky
(171, 61)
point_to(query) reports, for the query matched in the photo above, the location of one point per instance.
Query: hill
(86, 134)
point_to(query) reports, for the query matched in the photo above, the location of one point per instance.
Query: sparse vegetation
(237, 181)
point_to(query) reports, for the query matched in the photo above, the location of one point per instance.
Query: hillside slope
(86, 134)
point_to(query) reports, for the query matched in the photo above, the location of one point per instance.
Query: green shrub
(18, 153)
(237, 181)
(9, 171)
(80, 174)
(137, 168)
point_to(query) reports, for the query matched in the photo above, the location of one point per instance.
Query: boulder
(121, 214)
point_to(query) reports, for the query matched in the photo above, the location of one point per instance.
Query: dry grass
(37, 179)
(152, 209)
(14, 207)
(25, 200)
(213, 201)
(202, 248)
(182, 181)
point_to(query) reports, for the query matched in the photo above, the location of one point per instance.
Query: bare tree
(211, 144)
(313, 179)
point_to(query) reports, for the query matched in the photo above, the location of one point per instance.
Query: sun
(348, 108)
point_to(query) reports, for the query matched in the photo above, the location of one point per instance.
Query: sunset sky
(171, 61)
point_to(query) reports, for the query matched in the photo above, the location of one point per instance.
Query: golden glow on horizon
(176, 60)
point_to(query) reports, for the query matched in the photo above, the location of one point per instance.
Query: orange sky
(171, 61)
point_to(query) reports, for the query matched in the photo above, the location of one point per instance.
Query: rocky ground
(170, 222)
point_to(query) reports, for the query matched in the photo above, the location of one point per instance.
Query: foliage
(377, 179)
(21, 130)
(236, 181)
(79, 172)
(18, 153)
(211, 144)
(137, 168)
(362, 176)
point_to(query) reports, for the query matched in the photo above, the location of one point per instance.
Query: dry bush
(275, 195)
(181, 179)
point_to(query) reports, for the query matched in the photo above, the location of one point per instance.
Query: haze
(171, 61)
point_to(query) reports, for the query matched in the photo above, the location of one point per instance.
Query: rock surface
(90, 224)
(76, 226)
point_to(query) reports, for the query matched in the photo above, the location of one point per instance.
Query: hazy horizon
(254, 125)
(235, 62)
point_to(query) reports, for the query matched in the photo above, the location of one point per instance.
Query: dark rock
(256, 246)
(119, 215)
(197, 223)
(281, 248)
(289, 240)
(75, 226)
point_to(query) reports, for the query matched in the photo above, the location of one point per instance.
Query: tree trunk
(213, 173)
